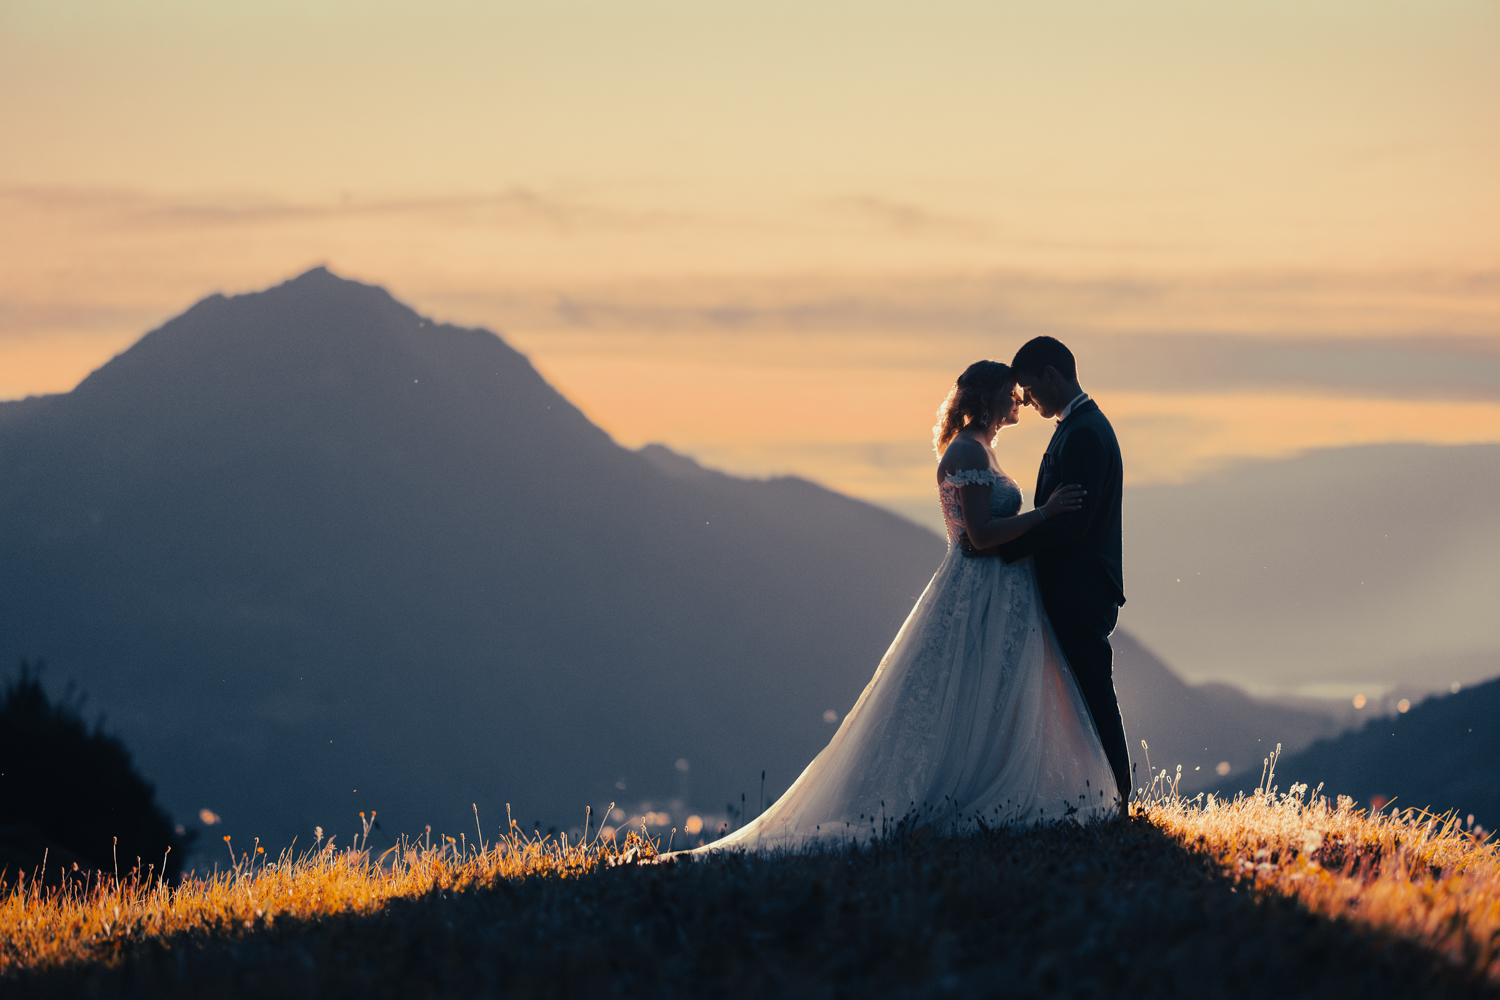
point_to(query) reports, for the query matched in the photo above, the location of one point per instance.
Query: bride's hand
(1064, 500)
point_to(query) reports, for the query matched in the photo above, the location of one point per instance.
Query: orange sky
(768, 234)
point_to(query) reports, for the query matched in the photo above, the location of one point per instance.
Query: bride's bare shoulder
(962, 455)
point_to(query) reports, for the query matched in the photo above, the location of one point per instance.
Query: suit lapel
(1049, 463)
(1049, 457)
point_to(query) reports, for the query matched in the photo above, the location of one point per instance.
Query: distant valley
(1373, 569)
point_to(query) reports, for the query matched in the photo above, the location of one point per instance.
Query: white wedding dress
(973, 717)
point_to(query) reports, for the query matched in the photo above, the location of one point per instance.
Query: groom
(1077, 555)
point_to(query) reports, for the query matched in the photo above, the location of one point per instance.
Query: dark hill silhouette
(1198, 726)
(315, 555)
(70, 795)
(1443, 754)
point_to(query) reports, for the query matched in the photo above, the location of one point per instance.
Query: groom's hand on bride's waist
(969, 549)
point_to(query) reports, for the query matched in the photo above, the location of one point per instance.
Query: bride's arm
(986, 532)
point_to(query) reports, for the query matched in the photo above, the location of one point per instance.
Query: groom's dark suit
(1078, 566)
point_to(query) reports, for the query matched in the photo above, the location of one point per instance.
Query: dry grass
(1271, 895)
(90, 918)
(1405, 872)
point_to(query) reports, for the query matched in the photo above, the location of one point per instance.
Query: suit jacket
(1077, 555)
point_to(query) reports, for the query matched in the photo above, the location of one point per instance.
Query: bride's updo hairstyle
(969, 400)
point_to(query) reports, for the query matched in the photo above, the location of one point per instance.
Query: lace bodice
(1005, 497)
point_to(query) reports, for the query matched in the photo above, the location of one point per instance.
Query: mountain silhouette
(1443, 754)
(315, 554)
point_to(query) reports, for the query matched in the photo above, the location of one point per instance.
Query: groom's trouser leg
(1084, 639)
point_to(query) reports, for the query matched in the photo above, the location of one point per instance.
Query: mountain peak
(313, 344)
(320, 281)
(318, 275)
(321, 277)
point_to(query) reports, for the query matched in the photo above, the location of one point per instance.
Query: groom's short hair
(1039, 352)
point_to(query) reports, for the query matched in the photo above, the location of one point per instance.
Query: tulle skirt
(973, 719)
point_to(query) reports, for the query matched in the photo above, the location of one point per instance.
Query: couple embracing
(995, 703)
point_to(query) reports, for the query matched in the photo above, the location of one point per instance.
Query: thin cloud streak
(1292, 304)
(907, 219)
(517, 206)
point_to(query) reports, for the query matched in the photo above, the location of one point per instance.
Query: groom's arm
(1082, 460)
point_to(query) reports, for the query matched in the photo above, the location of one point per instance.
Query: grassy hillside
(1268, 896)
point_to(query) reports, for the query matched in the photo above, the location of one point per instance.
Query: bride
(973, 717)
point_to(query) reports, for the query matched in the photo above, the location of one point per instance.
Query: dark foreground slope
(1444, 754)
(313, 554)
(1114, 910)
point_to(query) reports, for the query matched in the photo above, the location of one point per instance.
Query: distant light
(694, 824)
(620, 785)
(618, 815)
(1454, 687)
(830, 716)
(209, 817)
(607, 833)
(1223, 768)
(1403, 706)
(682, 765)
(1359, 701)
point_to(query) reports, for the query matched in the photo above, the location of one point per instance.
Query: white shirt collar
(1078, 401)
